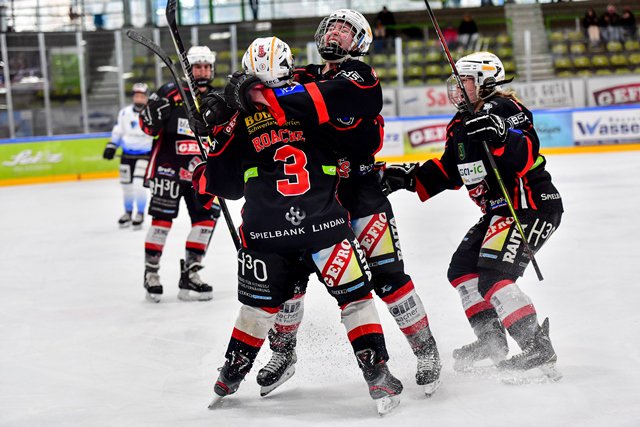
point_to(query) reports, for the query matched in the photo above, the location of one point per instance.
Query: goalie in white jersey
(136, 146)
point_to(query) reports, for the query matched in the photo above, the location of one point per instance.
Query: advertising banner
(425, 100)
(50, 158)
(561, 93)
(613, 90)
(554, 128)
(606, 126)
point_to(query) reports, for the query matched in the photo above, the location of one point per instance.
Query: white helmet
(269, 59)
(140, 88)
(201, 55)
(485, 68)
(331, 49)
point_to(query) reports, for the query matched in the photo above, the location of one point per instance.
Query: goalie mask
(201, 55)
(479, 73)
(270, 60)
(342, 35)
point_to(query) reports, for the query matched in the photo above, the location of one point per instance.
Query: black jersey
(175, 151)
(521, 166)
(288, 176)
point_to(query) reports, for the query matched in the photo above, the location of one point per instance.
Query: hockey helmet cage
(484, 68)
(270, 59)
(344, 34)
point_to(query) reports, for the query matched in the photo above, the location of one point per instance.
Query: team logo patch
(183, 127)
(338, 264)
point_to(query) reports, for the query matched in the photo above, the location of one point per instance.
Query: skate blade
(153, 297)
(265, 390)
(187, 295)
(124, 225)
(216, 402)
(386, 404)
(431, 388)
(544, 374)
(137, 227)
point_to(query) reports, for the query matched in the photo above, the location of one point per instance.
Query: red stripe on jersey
(337, 248)
(318, 102)
(516, 104)
(206, 223)
(529, 157)
(246, 338)
(194, 245)
(477, 308)
(462, 279)
(440, 166)
(274, 107)
(525, 182)
(153, 247)
(161, 223)
(416, 327)
(364, 298)
(244, 241)
(498, 151)
(452, 123)
(516, 196)
(496, 287)
(518, 314)
(423, 194)
(404, 290)
(357, 332)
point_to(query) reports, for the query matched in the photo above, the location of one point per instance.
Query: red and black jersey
(175, 151)
(288, 177)
(521, 166)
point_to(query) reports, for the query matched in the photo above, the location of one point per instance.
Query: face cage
(333, 51)
(455, 94)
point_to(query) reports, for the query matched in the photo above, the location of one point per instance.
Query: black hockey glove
(490, 128)
(109, 151)
(214, 109)
(156, 111)
(236, 92)
(398, 177)
(197, 123)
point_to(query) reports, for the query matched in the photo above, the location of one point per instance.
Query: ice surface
(79, 345)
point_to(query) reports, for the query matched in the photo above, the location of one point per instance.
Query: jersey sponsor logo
(187, 147)
(183, 128)
(166, 171)
(163, 187)
(518, 119)
(258, 235)
(553, 196)
(289, 90)
(372, 234)
(472, 173)
(351, 75)
(295, 215)
(327, 225)
(185, 175)
(274, 137)
(512, 246)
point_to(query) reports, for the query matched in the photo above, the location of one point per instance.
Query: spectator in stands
(590, 25)
(385, 16)
(379, 37)
(628, 24)
(467, 32)
(254, 9)
(610, 25)
(450, 35)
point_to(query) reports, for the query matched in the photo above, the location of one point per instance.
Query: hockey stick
(139, 38)
(492, 161)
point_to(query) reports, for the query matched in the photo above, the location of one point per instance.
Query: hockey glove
(397, 177)
(155, 112)
(236, 92)
(109, 151)
(489, 128)
(215, 111)
(197, 123)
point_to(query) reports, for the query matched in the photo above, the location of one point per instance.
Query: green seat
(435, 81)
(584, 73)
(614, 47)
(415, 45)
(634, 59)
(393, 72)
(556, 36)
(433, 56)
(559, 49)
(415, 71)
(565, 73)
(603, 72)
(631, 45)
(503, 38)
(219, 82)
(575, 36)
(415, 58)
(433, 71)
(414, 82)
(223, 68)
(381, 59)
(600, 61)
(509, 67)
(432, 43)
(623, 70)
(141, 60)
(504, 52)
(581, 62)
(382, 73)
(296, 51)
(619, 60)
(578, 48)
(562, 63)
(223, 55)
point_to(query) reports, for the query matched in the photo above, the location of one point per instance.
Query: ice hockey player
(136, 146)
(491, 257)
(174, 155)
(344, 95)
(293, 224)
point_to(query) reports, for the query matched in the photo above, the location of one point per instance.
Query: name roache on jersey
(290, 180)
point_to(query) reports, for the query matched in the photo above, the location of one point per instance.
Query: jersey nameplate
(472, 173)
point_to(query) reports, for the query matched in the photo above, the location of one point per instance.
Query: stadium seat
(433, 71)
(584, 73)
(565, 73)
(380, 59)
(433, 56)
(603, 72)
(634, 59)
(618, 60)
(578, 48)
(219, 82)
(222, 68)
(600, 61)
(509, 67)
(435, 81)
(581, 62)
(631, 45)
(415, 71)
(503, 39)
(414, 82)
(575, 36)
(223, 55)
(382, 73)
(504, 52)
(556, 37)
(415, 45)
(562, 63)
(559, 49)
(623, 70)
(614, 47)
(415, 58)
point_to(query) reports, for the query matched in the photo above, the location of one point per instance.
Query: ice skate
(429, 367)
(280, 368)
(192, 288)
(384, 388)
(491, 344)
(537, 353)
(231, 375)
(152, 282)
(125, 220)
(137, 221)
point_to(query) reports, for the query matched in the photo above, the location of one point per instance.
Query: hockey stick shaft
(492, 161)
(139, 38)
